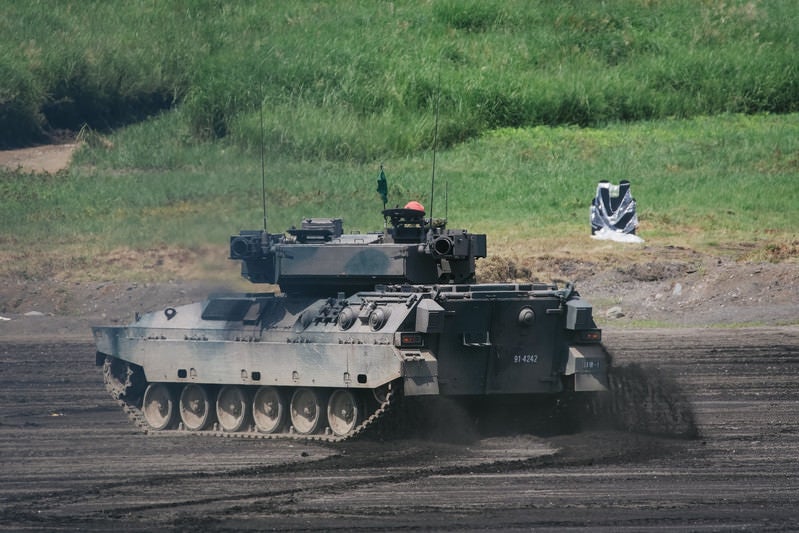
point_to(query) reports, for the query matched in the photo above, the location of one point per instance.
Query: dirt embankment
(672, 294)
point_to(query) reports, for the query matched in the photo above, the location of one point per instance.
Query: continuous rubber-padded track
(123, 383)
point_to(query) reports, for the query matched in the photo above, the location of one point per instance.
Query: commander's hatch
(317, 230)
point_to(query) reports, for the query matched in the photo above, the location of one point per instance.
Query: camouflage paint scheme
(364, 311)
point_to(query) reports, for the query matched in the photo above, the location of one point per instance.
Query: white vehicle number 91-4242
(529, 359)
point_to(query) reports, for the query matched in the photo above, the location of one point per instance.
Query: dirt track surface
(70, 460)
(50, 158)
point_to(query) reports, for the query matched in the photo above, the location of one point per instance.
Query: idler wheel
(159, 406)
(343, 412)
(195, 407)
(268, 409)
(232, 408)
(123, 380)
(307, 411)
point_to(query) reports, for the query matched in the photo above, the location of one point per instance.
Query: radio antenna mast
(435, 146)
(263, 163)
(446, 200)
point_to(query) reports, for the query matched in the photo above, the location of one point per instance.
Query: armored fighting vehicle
(361, 320)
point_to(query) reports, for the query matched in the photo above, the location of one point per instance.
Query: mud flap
(420, 373)
(588, 364)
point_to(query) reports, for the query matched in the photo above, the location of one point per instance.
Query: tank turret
(318, 258)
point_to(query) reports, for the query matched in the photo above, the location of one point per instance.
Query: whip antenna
(263, 165)
(435, 146)
(446, 200)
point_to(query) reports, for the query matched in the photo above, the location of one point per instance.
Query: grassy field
(326, 72)
(705, 183)
(694, 102)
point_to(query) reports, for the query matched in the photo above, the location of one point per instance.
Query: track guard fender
(588, 365)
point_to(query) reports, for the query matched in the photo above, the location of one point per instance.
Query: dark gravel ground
(70, 460)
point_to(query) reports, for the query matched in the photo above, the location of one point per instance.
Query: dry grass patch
(79, 263)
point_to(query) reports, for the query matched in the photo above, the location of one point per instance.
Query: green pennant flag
(382, 187)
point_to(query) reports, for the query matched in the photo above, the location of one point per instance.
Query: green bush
(21, 120)
(350, 67)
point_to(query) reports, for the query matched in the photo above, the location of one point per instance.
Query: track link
(130, 407)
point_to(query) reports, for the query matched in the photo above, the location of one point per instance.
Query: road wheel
(307, 411)
(268, 409)
(195, 407)
(159, 406)
(232, 408)
(343, 412)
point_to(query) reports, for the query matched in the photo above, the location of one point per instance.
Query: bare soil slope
(664, 294)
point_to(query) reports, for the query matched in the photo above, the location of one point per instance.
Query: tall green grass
(357, 80)
(695, 102)
(728, 178)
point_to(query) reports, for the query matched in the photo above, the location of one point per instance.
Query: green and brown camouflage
(360, 320)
